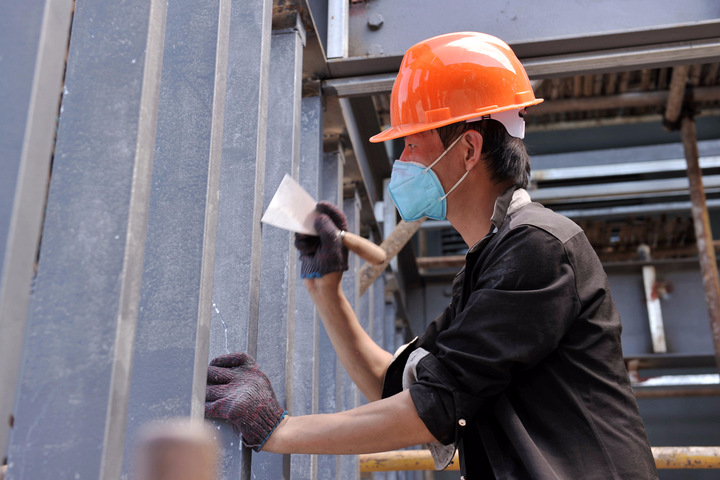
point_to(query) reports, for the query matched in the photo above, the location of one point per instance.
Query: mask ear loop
(440, 199)
(442, 154)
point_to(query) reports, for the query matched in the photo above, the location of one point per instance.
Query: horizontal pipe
(676, 392)
(677, 458)
(658, 98)
(607, 190)
(678, 165)
(401, 460)
(683, 458)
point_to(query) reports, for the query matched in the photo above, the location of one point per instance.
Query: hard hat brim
(400, 131)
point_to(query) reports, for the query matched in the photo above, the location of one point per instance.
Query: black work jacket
(525, 373)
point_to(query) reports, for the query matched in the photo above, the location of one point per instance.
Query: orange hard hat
(455, 77)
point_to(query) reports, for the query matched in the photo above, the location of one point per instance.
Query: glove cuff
(259, 447)
(263, 427)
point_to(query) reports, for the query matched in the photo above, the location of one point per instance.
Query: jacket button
(462, 422)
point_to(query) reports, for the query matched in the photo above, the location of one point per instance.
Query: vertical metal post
(330, 190)
(84, 307)
(175, 304)
(338, 26)
(701, 220)
(307, 323)
(276, 327)
(378, 311)
(362, 303)
(654, 310)
(350, 395)
(389, 215)
(703, 233)
(33, 43)
(236, 286)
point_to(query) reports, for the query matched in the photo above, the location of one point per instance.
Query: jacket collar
(506, 204)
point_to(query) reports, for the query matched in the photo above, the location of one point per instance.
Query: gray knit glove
(324, 253)
(239, 392)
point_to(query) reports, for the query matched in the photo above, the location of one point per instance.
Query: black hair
(506, 157)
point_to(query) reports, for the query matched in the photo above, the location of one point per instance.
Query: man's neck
(472, 210)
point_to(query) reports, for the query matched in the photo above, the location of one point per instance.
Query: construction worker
(523, 372)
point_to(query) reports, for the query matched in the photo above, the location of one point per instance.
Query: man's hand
(326, 253)
(239, 392)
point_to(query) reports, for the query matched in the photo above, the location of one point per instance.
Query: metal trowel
(292, 208)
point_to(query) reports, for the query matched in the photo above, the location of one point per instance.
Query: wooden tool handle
(365, 248)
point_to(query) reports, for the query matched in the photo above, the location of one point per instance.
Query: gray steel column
(349, 468)
(171, 351)
(307, 322)
(389, 224)
(33, 42)
(236, 287)
(362, 303)
(275, 341)
(83, 312)
(379, 329)
(328, 363)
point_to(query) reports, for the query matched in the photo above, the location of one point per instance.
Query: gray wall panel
(33, 41)
(84, 306)
(278, 272)
(349, 393)
(236, 287)
(176, 292)
(307, 322)
(328, 363)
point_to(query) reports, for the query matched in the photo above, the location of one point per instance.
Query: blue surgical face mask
(416, 190)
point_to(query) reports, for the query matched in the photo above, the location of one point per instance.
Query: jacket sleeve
(521, 305)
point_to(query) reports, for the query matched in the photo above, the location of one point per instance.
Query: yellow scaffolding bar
(665, 458)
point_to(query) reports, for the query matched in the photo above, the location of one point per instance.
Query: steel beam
(348, 392)
(677, 101)
(176, 299)
(621, 59)
(619, 169)
(83, 313)
(589, 193)
(275, 341)
(236, 286)
(337, 29)
(305, 354)
(703, 232)
(551, 29)
(33, 44)
(628, 210)
(356, 83)
(623, 100)
(331, 189)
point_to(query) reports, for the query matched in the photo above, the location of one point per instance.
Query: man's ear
(473, 141)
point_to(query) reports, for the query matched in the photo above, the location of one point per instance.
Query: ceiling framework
(647, 200)
(606, 84)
